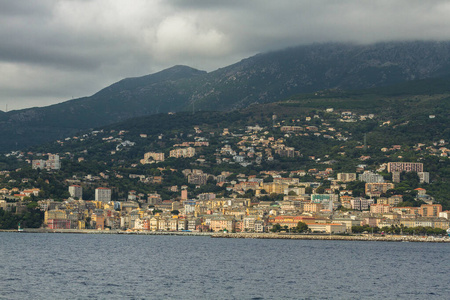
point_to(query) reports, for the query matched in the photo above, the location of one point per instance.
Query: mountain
(263, 78)
(394, 124)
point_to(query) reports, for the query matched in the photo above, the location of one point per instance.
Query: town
(240, 179)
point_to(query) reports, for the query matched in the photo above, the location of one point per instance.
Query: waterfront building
(327, 227)
(219, 223)
(58, 224)
(98, 221)
(54, 214)
(348, 222)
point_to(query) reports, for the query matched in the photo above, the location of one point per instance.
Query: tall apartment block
(53, 162)
(76, 191)
(405, 167)
(103, 194)
(371, 177)
(424, 177)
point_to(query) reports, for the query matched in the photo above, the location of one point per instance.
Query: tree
(268, 179)
(88, 222)
(320, 190)
(302, 227)
(276, 228)
(32, 205)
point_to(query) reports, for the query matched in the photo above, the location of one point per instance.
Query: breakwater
(246, 235)
(385, 238)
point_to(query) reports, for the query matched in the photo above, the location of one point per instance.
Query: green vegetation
(399, 230)
(29, 218)
(300, 228)
(365, 229)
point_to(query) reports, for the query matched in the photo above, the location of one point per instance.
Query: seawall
(365, 237)
(242, 235)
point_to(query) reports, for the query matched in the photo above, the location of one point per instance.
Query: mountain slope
(273, 76)
(262, 78)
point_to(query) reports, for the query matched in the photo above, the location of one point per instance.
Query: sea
(114, 266)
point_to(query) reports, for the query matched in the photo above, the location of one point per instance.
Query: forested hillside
(264, 78)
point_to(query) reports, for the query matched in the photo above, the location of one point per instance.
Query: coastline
(365, 237)
(242, 235)
(93, 231)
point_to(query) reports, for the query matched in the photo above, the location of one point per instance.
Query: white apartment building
(103, 194)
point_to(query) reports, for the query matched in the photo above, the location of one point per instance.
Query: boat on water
(448, 231)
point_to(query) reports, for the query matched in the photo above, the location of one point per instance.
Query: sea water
(113, 266)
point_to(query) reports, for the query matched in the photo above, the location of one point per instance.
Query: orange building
(99, 221)
(430, 210)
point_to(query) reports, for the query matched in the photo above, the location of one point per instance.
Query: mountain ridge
(263, 78)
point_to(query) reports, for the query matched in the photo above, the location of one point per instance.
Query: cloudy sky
(52, 51)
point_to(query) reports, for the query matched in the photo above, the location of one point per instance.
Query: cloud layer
(52, 51)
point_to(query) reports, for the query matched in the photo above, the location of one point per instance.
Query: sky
(53, 51)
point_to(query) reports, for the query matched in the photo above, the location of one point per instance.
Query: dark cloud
(52, 51)
(12, 9)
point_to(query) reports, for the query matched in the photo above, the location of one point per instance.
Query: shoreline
(368, 237)
(242, 235)
(93, 231)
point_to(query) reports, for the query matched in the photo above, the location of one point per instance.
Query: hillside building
(346, 177)
(405, 167)
(76, 191)
(103, 194)
(182, 152)
(370, 177)
(52, 163)
(152, 157)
